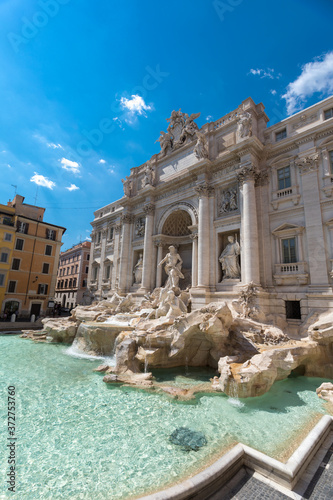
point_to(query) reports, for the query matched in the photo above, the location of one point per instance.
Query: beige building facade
(241, 202)
(73, 275)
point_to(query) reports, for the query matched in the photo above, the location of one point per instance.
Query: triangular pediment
(287, 227)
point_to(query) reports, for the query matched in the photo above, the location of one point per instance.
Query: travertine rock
(325, 391)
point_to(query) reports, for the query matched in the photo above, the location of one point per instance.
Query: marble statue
(165, 141)
(138, 270)
(148, 178)
(201, 147)
(127, 185)
(189, 128)
(172, 268)
(244, 127)
(229, 260)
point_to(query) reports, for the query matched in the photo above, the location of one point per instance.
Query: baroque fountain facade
(219, 254)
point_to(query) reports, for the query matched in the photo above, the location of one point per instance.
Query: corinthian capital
(127, 219)
(247, 172)
(149, 209)
(307, 163)
(204, 190)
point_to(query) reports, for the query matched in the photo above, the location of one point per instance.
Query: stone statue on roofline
(201, 147)
(244, 125)
(127, 186)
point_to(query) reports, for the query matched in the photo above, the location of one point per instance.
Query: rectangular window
(2, 279)
(88, 256)
(87, 269)
(293, 309)
(45, 269)
(19, 244)
(50, 234)
(22, 227)
(84, 283)
(282, 134)
(4, 257)
(328, 113)
(284, 180)
(8, 237)
(76, 268)
(111, 233)
(107, 272)
(289, 250)
(331, 160)
(11, 286)
(48, 250)
(16, 264)
(72, 269)
(42, 289)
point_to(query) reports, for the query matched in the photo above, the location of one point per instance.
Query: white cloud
(102, 161)
(54, 146)
(273, 91)
(316, 76)
(9, 166)
(40, 180)
(72, 166)
(111, 170)
(135, 105)
(208, 118)
(265, 73)
(72, 187)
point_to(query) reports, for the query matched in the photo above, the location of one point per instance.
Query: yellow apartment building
(7, 239)
(33, 264)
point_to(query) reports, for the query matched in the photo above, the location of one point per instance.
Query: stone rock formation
(325, 391)
(250, 355)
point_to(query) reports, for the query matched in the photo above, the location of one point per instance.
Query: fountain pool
(80, 438)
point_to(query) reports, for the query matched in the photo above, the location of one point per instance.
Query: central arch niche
(177, 226)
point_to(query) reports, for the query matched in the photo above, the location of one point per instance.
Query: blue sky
(86, 87)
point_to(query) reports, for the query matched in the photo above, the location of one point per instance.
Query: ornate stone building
(241, 203)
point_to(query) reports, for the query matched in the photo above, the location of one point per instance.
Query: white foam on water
(235, 402)
(75, 352)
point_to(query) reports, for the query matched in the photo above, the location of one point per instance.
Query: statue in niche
(228, 201)
(165, 141)
(138, 268)
(244, 126)
(127, 185)
(140, 227)
(148, 178)
(172, 268)
(229, 260)
(201, 147)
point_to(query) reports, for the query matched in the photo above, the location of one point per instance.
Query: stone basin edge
(207, 482)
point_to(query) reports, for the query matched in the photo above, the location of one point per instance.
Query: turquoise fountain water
(79, 438)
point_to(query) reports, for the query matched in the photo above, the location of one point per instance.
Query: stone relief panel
(227, 201)
(140, 225)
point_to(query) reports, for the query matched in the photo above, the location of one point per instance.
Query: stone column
(124, 271)
(159, 270)
(116, 247)
(148, 247)
(101, 267)
(203, 235)
(246, 176)
(316, 250)
(194, 238)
